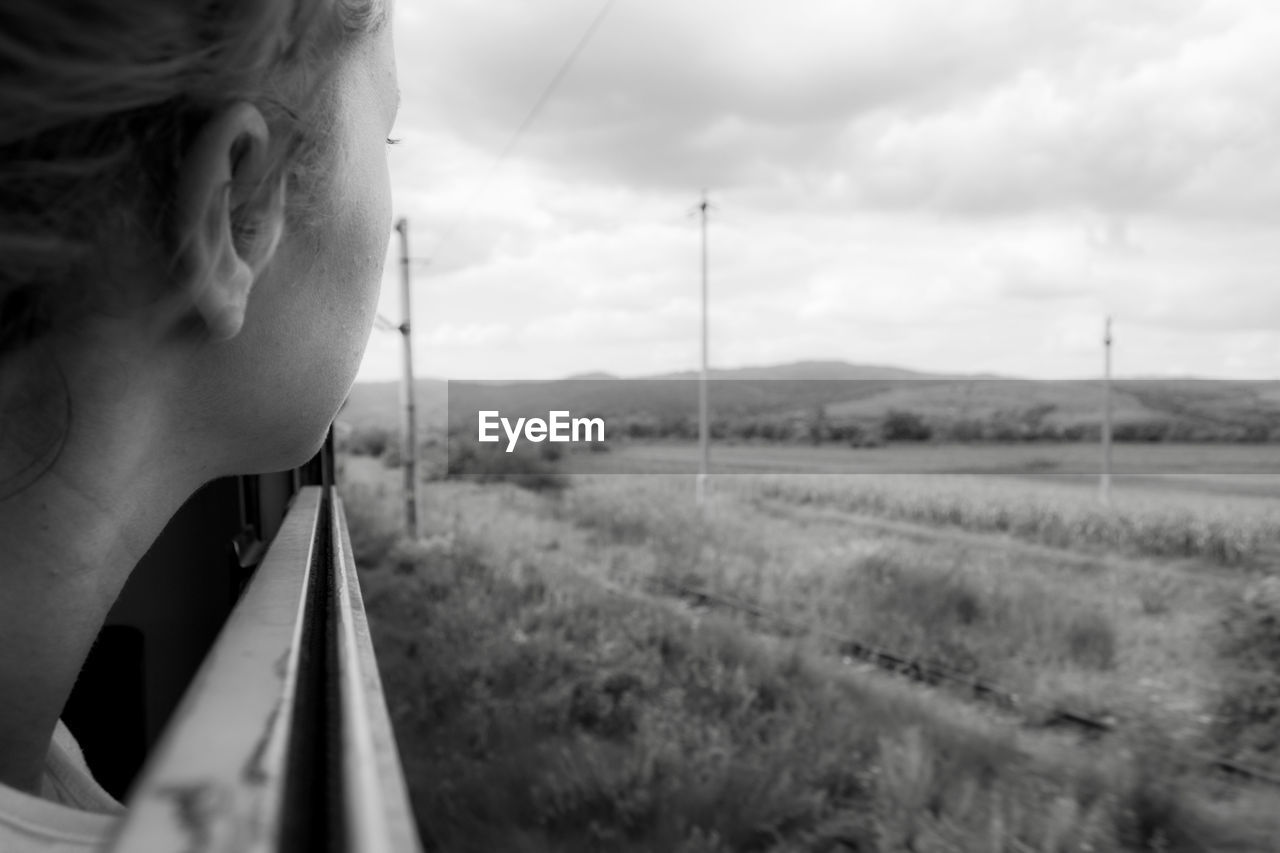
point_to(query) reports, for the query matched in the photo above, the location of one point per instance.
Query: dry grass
(537, 711)
(1222, 531)
(1055, 631)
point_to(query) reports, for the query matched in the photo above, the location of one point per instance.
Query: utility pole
(409, 429)
(1106, 415)
(703, 427)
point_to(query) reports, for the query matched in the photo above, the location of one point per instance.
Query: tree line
(816, 427)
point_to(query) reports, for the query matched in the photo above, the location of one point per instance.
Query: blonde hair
(98, 101)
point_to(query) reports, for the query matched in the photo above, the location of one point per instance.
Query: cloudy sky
(924, 183)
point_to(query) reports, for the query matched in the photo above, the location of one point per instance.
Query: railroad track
(936, 674)
(923, 671)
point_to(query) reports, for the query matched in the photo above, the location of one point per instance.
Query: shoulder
(68, 779)
(74, 814)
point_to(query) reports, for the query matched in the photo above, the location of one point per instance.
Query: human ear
(228, 221)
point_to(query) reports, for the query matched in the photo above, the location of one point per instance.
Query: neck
(70, 538)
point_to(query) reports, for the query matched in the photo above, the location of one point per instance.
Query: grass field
(1229, 469)
(548, 696)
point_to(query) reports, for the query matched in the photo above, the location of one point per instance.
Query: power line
(528, 121)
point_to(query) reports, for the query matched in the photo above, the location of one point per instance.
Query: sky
(960, 187)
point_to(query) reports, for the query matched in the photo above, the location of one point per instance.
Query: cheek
(369, 206)
(322, 310)
(355, 249)
(310, 317)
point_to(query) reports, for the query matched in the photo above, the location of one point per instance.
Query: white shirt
(73, 814)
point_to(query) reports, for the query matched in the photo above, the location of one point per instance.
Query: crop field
(563, 673)
(1239, 468)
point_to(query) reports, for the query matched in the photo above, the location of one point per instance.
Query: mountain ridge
(842, 390)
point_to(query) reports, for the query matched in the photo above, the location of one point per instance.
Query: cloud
(1189, 132)
(993, 107)
(922, 182)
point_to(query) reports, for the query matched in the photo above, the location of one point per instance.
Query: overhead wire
(383, 323)
(528, 121)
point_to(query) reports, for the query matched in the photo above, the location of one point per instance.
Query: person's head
(194, 211)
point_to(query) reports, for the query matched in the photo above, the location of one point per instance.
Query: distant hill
(806, 370)
(842, 393)
(738, 390)
(378, 404)
(597, 375)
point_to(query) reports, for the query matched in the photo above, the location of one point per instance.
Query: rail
(282, 742)
(936, 674)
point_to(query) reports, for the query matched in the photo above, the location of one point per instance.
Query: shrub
(966, 430)
(858, 435)
(1248, 718)
(373, 535)
(530, 467)
(1091, 640)
(905, 426)
(1157, 595)
(1136, 431)
(391, 457)
(407, 556)
(368, 441)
